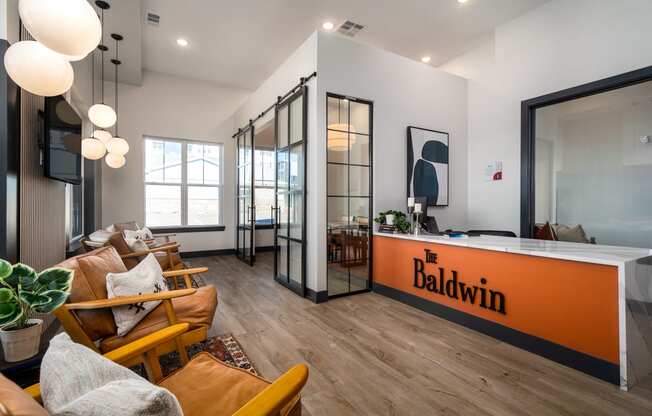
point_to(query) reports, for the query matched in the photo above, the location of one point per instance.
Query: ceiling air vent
(153, 19)
(350, 28)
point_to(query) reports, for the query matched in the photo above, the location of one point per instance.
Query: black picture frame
(411, 164)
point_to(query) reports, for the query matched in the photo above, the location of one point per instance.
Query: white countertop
(588, 253)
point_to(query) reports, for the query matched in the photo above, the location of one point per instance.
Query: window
(183, 183)
(74, 215)
(264, 184)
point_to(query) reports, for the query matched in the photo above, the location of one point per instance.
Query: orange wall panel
(569, 303)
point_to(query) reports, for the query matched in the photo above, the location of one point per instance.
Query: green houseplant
(400, 220)
(23, 292)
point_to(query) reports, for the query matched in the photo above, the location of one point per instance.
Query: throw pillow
(131, 234)
(100, 236)
(146, 277)
(146, 233)
(574, 235)
(76, 380)
(136, 244)
(544, 232)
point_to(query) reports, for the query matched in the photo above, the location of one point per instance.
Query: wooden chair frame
(66, 315)
(166, 248)
(268, 402)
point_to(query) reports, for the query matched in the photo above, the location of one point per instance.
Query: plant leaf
(56, 278)
(5, 268)
(33, 299)
(9, 313)
(6, 295)
(56, 299)
(21, 274)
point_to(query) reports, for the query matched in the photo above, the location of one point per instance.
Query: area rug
(225, 348)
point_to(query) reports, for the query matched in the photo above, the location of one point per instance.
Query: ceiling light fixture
(341, 136)
(101, 114)
(69, 27)
(328, 25)
(38, 69)
(182, 42)
(425, 59)
(462, 1)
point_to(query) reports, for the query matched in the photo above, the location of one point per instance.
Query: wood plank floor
(370, 355)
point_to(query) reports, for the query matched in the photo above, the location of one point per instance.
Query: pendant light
(37, 69)
(101, 114)
(115, 161)
(340, 135)
(68, 27)
(92, 148)
(117, 145)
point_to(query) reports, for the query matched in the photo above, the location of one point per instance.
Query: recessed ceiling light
(425, 59)
(462, 1)
(328, 25)
(182, 42)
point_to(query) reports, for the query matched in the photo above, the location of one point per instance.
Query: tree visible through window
(183, 183)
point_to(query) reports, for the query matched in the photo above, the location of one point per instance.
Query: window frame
(266, 225)
(183, 184)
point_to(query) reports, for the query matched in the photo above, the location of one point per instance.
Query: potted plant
(399, 220)
(22, 293)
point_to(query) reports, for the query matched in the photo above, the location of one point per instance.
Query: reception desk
(586, 306)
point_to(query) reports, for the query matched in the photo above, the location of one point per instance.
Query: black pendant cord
(102, 49)
(116, 62)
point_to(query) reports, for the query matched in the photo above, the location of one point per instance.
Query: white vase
(21, 344)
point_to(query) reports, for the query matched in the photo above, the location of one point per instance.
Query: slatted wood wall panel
(42, 200)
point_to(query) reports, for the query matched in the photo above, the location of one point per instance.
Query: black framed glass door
(290, 189)
(245, 208)
(349, 193)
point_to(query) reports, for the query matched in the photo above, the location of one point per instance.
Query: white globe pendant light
(69, 27)
(118, 146)
(93, 149)
(115, 161)
(38, 69)
(101, 114)
(103, 136)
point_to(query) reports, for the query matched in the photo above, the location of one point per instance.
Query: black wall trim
(9, 164)
(528, 124)
(317, 297)
(207, 253)
(590, 365)
(188, 229)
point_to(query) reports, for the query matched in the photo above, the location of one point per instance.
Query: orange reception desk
(586, 306)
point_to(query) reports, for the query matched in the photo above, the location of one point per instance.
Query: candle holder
(417, 225)
(410, 210)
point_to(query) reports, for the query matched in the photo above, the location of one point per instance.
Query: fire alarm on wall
(645, 139)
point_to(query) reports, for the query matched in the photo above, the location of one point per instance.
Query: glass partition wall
(349, 194)
(290, 232)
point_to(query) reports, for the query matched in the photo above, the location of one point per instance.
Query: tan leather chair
(203, 386)
(88, 319)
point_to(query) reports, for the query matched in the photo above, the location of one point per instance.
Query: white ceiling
(241, 42)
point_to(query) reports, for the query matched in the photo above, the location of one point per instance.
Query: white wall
(301, 63)
(9, 20)
(561, 44)
(172, 107)
(404, 93)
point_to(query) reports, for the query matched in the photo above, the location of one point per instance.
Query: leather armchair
(203, 386)
(89, 321)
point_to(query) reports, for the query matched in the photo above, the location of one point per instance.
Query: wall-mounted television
(62, 141)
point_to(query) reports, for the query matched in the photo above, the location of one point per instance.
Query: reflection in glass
(296, 255)
(338, 179)
(203, 205)
(348, 230)
(296, 215)
(163, 205)
(296, 120)
(282, 134)
(592, 168)
(296, 167)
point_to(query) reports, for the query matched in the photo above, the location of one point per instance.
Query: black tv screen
(62, 150)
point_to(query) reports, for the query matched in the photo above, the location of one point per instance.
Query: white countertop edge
(599, 255)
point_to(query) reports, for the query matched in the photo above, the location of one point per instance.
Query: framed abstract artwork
(427, 165)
